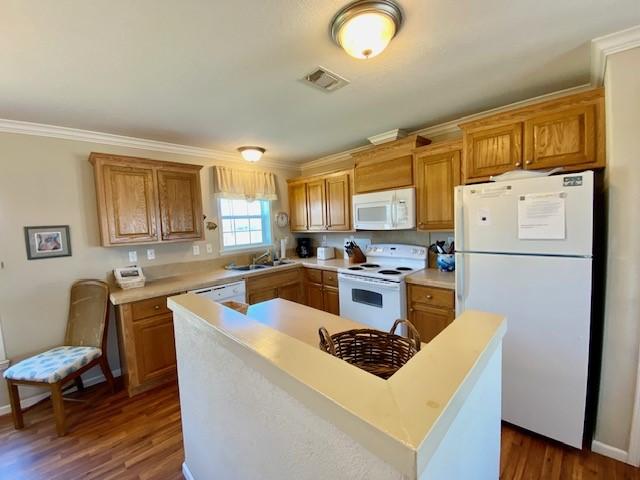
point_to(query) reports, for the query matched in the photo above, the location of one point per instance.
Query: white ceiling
(220, 74)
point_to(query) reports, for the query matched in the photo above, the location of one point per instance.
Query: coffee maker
(304, 247)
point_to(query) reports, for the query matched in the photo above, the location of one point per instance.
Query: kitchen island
(260, 400)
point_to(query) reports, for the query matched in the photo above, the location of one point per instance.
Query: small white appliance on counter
(326, 253)
(221, 293)
(524, 250)
(388, 210)
(374, 292)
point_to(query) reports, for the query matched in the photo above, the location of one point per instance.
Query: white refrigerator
(524, 249)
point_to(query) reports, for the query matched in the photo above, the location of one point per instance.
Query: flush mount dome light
(251, 154)
(364, 28)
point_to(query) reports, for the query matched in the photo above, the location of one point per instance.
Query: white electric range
(374, 292)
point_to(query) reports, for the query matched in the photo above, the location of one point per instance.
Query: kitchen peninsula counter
(260, 399)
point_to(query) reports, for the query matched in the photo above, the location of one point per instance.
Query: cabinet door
(331, 300)
(263, 295)
(563, 138)
(316, 205)
(155, 347)
(437, 176)
(429, 321)
(291, 292)
(314, 295)
(180, 204)
(130, 214)
(298, 207)
(384, 175)
(492, 151)
(338, 203)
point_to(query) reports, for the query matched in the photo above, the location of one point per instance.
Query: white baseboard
(27, 402)
(186, 472)
(609, 451)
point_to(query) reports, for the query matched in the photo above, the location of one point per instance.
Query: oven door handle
(354, 279)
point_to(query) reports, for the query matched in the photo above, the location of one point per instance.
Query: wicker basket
(374, 351)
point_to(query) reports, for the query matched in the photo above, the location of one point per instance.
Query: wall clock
(282, 219)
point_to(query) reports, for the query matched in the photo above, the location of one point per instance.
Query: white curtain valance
(244, 184)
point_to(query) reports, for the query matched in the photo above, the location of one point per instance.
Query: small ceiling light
(364, 28)
(251, 154)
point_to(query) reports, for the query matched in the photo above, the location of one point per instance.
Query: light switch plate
(151, 254)
(196, 249)
(209, 248)
(133, 256)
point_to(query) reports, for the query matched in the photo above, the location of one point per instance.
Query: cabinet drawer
(438, 297)
(313, 275)
(273, 280)
(330, 278)
(149, 308)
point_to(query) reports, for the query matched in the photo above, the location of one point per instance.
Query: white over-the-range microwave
(388, 210)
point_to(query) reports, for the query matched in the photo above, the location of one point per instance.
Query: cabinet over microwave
(388, 210)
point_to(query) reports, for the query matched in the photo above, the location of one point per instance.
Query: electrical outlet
(209, 248)
(196, 249)
(151, 254)
(133, 256)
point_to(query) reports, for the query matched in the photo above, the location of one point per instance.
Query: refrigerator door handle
(459, 220)
(459, 283)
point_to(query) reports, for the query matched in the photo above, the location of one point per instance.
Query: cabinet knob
(528, 162)
(429, 297)
(411, 309)
(156, 307)
(517, 164)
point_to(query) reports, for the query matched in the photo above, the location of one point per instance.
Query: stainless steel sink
(246, 268)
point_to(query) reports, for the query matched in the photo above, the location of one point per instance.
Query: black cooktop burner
(356, 268)
(370, 265)
(404, 269)
(389, 272)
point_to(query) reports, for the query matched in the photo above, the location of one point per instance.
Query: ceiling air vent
(325, 80)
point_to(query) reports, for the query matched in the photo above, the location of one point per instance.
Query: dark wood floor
(140, 438)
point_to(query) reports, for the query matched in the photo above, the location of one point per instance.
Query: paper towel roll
(283, 248)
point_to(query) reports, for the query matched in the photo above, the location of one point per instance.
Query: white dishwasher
(221, 293)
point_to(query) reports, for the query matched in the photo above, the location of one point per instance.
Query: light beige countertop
(216, 276)
(431, 277)
(400, 419)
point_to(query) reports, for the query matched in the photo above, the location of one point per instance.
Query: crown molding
(606, 45)
(66, 133)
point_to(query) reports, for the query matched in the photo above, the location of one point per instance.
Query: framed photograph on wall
(47, 242)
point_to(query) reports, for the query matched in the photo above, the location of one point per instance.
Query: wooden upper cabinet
(180, 204)
(338, 202)
(564, 132)
(320, 202)
(316, 205)
(437, 174)
(386, 166)
(298, 207)
(561, 139)
(146, 201)
(492, 151)
(128, 213)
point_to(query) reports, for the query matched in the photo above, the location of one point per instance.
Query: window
(244, 224)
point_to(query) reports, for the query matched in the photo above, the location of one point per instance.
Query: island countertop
(402, 418)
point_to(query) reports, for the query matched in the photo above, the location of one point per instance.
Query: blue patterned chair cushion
(53, 365)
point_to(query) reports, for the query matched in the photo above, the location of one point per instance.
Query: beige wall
(622, 305)
(47, 181)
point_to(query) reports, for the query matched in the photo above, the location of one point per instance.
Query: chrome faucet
(266, 255)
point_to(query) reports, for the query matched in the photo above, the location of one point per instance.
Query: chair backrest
(88, 314)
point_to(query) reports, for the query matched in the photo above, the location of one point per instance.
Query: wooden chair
(85, 346)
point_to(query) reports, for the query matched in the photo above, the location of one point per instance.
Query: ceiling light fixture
(251, 154)
(364, 28)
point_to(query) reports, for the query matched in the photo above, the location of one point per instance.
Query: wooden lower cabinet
(331, 300)
(321, 290)
(147, 344)
(284, 284)
(430, 310)
(155, 347)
